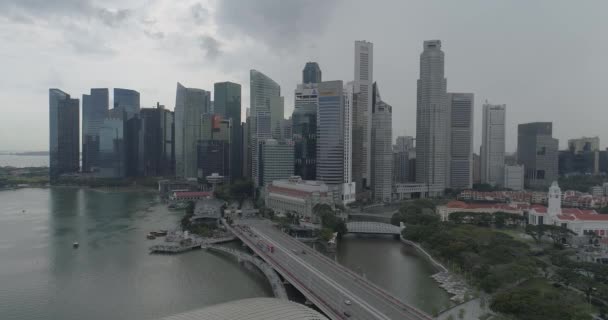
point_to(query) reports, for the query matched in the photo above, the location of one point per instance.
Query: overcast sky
(546, 60)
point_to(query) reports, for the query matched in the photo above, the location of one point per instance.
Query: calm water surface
(112, 276)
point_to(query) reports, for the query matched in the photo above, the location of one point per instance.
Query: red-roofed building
(484, 207)
(297, 196)
(190, 195)
(580, 221)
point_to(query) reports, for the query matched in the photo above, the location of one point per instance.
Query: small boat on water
(160, 233)
(150, 236)
(75, 245)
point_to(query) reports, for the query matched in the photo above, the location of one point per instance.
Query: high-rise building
(277, 115)
(311, 73)
(214, 148)
(112, 156)
(276, 160)
(94, 111)
(246, 152)
(330, 133)
(158, 152)
(584, 144)
(432, 118)
(403, 152)
(404, 143)
(382, 148)
(537, 150)
(476, 168)
(190, 105)
(128, 100)
(493, 144)
(362, 113)
(461, 140)
(227, 102)
(262, 90)
(305, 140)
(64, 133)
(514, 177)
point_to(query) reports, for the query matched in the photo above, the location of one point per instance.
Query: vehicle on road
(347, 302)
(347, 314)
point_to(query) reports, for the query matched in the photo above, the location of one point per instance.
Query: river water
(9, 160)
(112, 276)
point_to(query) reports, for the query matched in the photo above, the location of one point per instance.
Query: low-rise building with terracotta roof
(297, 196)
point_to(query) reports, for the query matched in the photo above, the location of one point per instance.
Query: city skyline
(537, 99)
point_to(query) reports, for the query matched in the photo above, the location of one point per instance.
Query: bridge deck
(323, 281)
(372, 228)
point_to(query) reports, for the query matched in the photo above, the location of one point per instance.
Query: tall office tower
(276, 160)
(401, 166)
(214, 147)
(64, 133)
(156, 139)
(305, 140)
(404, 143)
(227, 102)
(347, 131)
(493, 144)
(537, 151)
(94, 110)
(382, 148)
(112, 157)
(286, 129)
(432, 118)
(476, 168)
(333, 157)
(128, 100)
(461, 140)
(190, 105)
(246, 152)
(362, 113)
(304, 120)
(311, 73)
(262, 89)
(277, 115)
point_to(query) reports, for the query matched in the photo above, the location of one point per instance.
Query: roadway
(336, 290)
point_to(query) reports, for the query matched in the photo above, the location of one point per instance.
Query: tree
(558, 233)
(536, 232)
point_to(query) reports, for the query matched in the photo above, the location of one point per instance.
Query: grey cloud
(276, 23)
(199, 13)
(154, 34)
(211, 47)
(24, 11)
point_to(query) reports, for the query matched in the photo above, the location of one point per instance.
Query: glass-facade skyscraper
(227, 103)
(158, 152)
(128, 100)
(537, 152)
(94, 111)
(461, 140)
(64, 134)
(304, 128)
(311, 73)
(190, 105)
(382, 148)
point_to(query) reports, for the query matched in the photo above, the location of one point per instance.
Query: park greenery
(239, 191)
(524, 283)
(12, 177)
(581, 183)
(330, 223)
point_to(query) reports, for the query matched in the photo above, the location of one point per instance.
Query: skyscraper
(382, 148)
(64, 133)
(305, 140)
(362, 113)
(94, 111)
(112, 155)
(330, 133)
(157, 130)
(277, 115)
(537, 151)
(276, 160)
(262, 89)
(493, 144)
(214, 147)
(128, 100)
(311, 73)
(227, 102)
(461, 140)
(432, 117)
(190, 105)
(401, 159)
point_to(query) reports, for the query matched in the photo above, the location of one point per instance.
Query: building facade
(311, 73)
(190, 105)
(432, 118)
(382, 149)
(158, 151)
(127, 100)
(537, 152)
(262, 89)
(276, 160)
(94, 110)
(112, 156)
(584, 144)
(298, 196)
(361, 102)
(330, 133)
(227, 102)
(64, 134)
(493, 144)
(514, 178)
(461, 140)
(304, 120)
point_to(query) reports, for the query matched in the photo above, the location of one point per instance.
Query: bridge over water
(367, 227)
(336, 290)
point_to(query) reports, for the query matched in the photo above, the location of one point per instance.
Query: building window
(540, 220)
